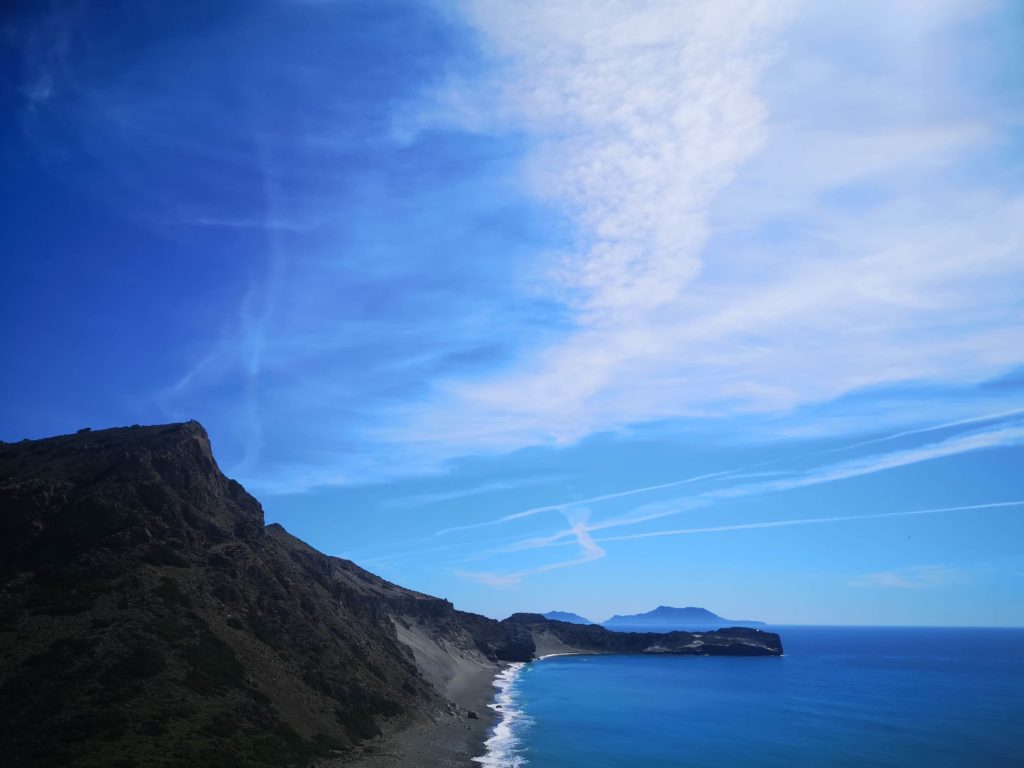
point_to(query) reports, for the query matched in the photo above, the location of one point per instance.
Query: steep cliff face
(441, 641)
(147, 617)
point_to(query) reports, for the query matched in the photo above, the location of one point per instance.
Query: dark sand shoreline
(451, 740)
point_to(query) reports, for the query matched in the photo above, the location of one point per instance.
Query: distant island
(568, 618)
(149, 616)
(665, 618)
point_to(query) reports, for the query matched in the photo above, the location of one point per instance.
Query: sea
(839, 696)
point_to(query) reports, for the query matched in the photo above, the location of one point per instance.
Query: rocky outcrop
(148, 617)
(592, 638)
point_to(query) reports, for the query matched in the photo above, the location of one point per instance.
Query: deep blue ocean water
(841, 696)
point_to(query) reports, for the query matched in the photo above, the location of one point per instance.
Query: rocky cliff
(563, 637)
(148, 617)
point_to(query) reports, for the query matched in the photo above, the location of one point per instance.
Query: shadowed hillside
(148, 617)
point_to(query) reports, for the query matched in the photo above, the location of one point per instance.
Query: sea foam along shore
(502, 748)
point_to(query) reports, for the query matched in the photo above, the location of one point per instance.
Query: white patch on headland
(552, 655)
(503, 745)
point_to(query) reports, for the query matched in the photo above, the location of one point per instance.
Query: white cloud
(772, 206)
(424, 499)
(808, 521)
(645, 112)
(916, 577)
(564, 506)
(784, 480)
(591, 548)
(997, 437)
(589, 551)
(660, 127)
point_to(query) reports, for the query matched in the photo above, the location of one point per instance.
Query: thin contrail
(922, 430)
(805, 521)
(829, 473)
(724, 473)
(579, 502)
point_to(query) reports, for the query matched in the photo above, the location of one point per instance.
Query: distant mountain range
(568, 618)
(666, 617)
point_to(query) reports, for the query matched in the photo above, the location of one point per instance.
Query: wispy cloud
(915, 577)
(694, 296)
(1001, 435)
(590, 551)
(47, 47)
(860, 467)
(692, 214)
(744, 472)
(568, 505)
(808, 521)
(995, 436)
(262, 223)
(424, 499)
(646, 113)
(643, 115)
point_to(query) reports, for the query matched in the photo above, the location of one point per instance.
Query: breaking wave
(503, 747)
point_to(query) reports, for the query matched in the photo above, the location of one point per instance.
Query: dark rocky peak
(148, 618)
(117, 488)
(526, 618)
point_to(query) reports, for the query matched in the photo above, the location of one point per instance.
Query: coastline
(500, 749)
(477, 725)
(451, 739)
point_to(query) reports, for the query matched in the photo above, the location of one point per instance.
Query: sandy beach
(452, 740)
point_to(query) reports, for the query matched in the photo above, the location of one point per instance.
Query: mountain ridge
(669, 616)
(149, 616)
(567, 617)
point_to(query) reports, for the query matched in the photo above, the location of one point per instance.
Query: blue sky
(587, 306)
